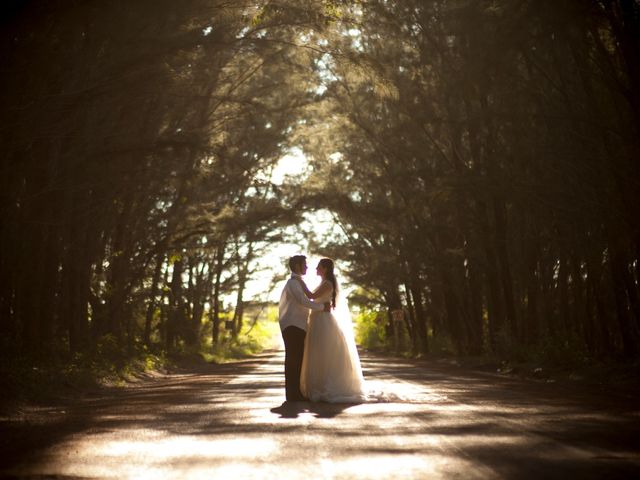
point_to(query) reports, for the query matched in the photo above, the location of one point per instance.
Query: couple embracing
(321, 359)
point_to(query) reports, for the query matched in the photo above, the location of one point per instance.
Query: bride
(331, 370)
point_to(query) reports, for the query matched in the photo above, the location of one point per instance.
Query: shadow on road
(317, 409)
(505, 427)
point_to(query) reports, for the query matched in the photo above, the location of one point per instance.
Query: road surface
(228, 422)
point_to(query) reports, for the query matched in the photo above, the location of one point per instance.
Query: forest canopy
(480, 157)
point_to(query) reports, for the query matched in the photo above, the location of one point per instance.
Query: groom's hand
(327, 307)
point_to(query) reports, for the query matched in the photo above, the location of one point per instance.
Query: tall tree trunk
(451, 304)
(176, 305)
(563, 289)
(531, 327)
(628, 333)
(219, 266)
(412, 321)
(506, 278)
(153, 293)
(476, 340)
(421, 323)
(495, 310)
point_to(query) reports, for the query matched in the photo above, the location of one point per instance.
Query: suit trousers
(294, 351)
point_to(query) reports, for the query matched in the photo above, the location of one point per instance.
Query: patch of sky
(316, 228)
(335, 157)
(293, 164)
(304, 38)
(324, 65)
(242, 32)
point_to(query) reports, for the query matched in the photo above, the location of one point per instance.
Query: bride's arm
(323, 288)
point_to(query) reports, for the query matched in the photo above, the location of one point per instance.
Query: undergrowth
(251, 340)
(548, 357)
(40, 377)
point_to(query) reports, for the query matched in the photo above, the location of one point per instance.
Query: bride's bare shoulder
(325, 286)
(328, 286)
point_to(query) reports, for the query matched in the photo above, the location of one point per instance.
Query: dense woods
(481, 157)
(137, 144)
(487, 170)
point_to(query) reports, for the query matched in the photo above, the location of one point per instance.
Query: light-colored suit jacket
(294, 305)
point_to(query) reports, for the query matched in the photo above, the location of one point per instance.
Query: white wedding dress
(331, 370)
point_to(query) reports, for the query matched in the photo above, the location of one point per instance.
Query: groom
(293, 313)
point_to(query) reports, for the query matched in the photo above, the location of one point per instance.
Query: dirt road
(227, 422)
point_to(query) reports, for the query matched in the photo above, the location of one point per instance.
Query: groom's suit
(293, 314)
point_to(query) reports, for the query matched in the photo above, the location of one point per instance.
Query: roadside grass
(37, 377)
(549, 360)
(31, 377)
(251, 340)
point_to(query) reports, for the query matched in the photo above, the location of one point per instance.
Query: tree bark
(153, 293)
(219, 266)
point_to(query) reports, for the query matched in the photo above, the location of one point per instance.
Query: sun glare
(293, 164)
(313, 228)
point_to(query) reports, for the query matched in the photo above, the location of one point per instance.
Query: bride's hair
(327, 264)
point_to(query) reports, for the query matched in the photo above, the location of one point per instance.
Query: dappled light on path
(229, 421)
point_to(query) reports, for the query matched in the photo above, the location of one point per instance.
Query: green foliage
(252, 339)
(173, 258)
(568, 352)
(370, 331)
(332, 10)
(191, 136)
(441, 344)
(476, 169)
(31, 377)
(472, 154)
